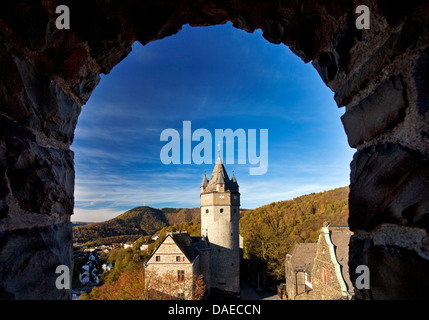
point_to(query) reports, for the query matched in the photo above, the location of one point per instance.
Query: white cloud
(94, 215)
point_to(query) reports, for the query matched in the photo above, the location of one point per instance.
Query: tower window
(221, 210)
(157, 258)
(207, 210)
(235, 210)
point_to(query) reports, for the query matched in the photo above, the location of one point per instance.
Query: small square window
(157, 258)
(221, 210)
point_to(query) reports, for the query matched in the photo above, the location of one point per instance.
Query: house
(178, 260)
(128, 244)
(144, 246)
(328, 278)
(298, 265)
(107, 266)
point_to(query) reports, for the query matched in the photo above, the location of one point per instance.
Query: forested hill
(269, 232)
(133, 224)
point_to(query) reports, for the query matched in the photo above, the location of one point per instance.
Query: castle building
(216, 253)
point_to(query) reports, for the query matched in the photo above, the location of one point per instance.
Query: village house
(144, 246)
(181, 257)
(320, 271)
(128, 244)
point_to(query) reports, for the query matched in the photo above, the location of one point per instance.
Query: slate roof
(190, 246)
(219, 175)
(303, 256)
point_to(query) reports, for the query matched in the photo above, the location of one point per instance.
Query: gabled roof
(302, 256)
(189, 246)
(184, 242)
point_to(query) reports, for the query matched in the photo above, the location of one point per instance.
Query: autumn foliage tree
(270, 231)
(165, 286)
(132, 285)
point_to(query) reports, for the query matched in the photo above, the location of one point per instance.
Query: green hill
(270, 231)
(133, 224)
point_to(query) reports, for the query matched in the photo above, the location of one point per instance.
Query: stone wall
(222, 231)
(379, 75)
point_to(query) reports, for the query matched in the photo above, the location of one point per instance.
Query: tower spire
(219, 160)
(205, 181)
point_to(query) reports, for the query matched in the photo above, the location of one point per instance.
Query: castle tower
(220, 213)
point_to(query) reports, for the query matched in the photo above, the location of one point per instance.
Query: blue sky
(217, 78)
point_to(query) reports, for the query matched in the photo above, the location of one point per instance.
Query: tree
(166, 286)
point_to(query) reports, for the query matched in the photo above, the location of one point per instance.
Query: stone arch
(379, 75)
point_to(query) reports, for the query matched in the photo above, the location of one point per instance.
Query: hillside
(133, 224)
(270, 231)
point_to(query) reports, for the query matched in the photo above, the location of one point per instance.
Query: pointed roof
(205, 181)
(219, 175)
(220, 179)
(233, 180)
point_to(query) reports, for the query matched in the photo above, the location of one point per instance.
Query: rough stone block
(362, 76)
(36, 179)
(28, 261)
(378, 113)
(394, 273)
(388, 183)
